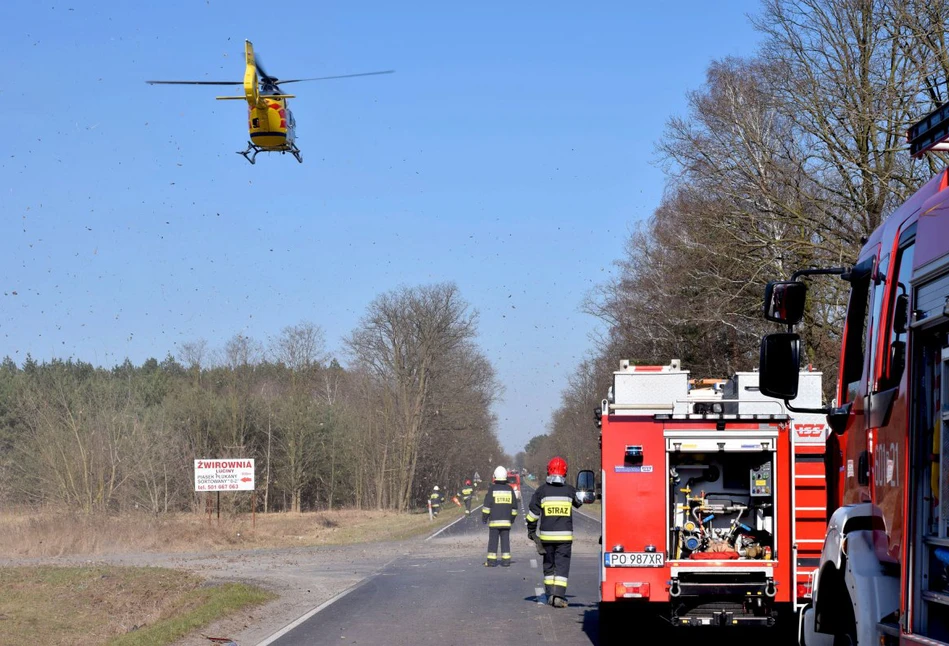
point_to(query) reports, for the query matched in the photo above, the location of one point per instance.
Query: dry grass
(47, 534)
(98, 605)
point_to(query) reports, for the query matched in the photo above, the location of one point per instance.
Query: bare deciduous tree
(402, 339)
(241, 351)
(300, 346)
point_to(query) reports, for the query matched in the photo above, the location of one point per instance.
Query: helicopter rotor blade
(264, 76)
(194, 82)
(341, 76)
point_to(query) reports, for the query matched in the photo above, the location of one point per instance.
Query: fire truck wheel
(608, 623)
(848, 624)
(616, 620)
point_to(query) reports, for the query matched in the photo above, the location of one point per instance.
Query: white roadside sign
(235, 474)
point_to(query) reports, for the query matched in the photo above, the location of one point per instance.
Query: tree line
(786, 159)
(411, 409)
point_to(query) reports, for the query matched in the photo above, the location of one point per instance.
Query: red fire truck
(713, 499)
(514, 479)
(884, 568)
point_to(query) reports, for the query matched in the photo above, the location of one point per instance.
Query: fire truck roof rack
(777, 417)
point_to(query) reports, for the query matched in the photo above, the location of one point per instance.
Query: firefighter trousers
(468, 506)
(556, 568)
(502, 535)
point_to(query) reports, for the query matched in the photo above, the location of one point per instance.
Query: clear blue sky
(511, 153)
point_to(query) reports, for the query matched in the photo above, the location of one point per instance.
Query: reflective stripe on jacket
(551, 507)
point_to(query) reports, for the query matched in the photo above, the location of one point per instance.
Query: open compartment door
(722, 495)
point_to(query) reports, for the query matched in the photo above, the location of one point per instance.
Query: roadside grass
(119, 606)
(33, 534)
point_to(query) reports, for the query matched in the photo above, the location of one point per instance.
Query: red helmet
(557, 467)
(467, 482)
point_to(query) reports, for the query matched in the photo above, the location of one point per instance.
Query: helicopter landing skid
(252, 149)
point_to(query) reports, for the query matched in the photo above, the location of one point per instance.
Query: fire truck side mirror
(784, 301)
(899, 314)
(779, 365)
(838, 417)
(586, 486)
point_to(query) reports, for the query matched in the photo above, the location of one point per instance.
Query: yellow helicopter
(270, 122)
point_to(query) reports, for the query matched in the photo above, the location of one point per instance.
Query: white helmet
(500, 474)
(436, 487)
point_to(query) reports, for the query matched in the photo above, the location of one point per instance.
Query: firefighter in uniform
(550, 521)
(466, 494)
(435, 500)
(498, 513)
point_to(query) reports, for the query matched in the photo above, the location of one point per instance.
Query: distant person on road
(550, 520)
(498, 513)
(435, 500)
(466, 494)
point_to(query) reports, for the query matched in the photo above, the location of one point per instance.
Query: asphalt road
(444, 596)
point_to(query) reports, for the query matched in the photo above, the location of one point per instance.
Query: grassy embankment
(126, 606)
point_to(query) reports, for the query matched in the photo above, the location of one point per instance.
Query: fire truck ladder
(810, 515)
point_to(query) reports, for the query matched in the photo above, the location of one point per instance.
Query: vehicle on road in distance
(514, 479)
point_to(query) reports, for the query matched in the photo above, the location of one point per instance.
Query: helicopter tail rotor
(264, 76)
(268, 83)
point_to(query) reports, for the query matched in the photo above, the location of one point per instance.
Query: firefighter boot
(559, 602)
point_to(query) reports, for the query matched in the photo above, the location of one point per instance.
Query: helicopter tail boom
(251, 88)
